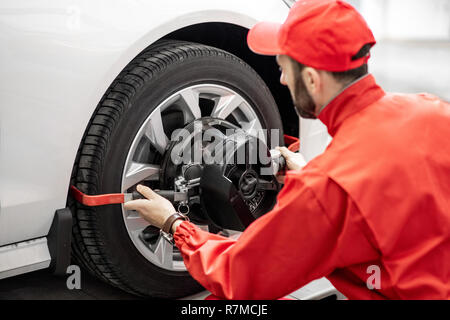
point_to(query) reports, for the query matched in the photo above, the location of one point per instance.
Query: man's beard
(303, 102)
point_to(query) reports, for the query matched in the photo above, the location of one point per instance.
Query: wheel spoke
(226, 105)
(155, 131)
(191, 98)
(138, 172)
(251, 127)
(164, 252)
(135, 224)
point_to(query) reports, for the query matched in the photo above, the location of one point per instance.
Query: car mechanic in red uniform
(378, 196)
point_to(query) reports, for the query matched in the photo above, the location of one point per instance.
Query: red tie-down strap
(99, 200)
(293, 143)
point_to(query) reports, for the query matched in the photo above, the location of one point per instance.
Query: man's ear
(312, 80)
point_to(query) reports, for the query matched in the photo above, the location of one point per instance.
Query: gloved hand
(294, 160)
(155, 209)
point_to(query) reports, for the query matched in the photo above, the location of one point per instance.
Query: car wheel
(167, 86)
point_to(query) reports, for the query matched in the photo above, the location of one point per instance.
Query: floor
(397, 66)
(43, 285)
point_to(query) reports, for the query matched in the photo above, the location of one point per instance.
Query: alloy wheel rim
(224, 103)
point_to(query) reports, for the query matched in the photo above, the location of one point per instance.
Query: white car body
(57, 60)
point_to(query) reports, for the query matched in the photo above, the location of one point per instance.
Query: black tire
(100, 240)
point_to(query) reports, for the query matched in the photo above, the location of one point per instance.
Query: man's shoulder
(410, 103)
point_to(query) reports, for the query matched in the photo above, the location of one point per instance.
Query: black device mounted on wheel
(234, 170)
(242, 188)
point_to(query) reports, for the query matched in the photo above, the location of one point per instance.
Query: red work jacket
(378, 199)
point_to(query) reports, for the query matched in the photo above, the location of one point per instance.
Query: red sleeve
(283, 250)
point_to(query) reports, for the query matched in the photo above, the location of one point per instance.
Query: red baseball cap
(323, 34)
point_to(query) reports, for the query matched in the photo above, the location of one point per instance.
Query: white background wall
(407, 19)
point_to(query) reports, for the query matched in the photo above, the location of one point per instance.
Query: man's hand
(294, 160)
(155, 209)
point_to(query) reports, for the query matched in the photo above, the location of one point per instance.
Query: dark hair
(347, 76)
(350, 75)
